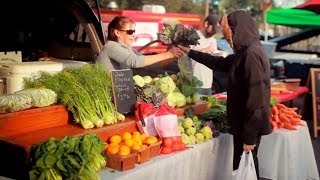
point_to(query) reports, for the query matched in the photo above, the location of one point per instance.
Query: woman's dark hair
(117, 23)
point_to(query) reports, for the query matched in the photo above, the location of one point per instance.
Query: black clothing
(248, 91)
(248, 102)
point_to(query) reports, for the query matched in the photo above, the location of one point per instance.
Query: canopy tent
(312, 5)
(299, 18)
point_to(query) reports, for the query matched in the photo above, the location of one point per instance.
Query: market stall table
(282, 96)
(193, 163)
(290, 95)
(288, 155)
(283, 155)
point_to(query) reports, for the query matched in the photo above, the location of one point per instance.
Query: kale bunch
(178, 34)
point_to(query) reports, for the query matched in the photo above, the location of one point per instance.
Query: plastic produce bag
(145, 115)
(185, 65)
(166, 124)
(246, 170)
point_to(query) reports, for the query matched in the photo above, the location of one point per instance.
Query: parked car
(62, 29)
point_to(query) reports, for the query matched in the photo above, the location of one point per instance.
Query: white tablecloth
(283, 155)
(195, 163)
(288, 155)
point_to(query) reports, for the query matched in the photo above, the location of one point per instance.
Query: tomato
(167, 142)
(166, 150)
(177, 139)
(175, 147)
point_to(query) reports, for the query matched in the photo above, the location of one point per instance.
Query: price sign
(123, 90)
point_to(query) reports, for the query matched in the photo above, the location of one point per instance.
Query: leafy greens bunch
(68, 158)
(178, 34)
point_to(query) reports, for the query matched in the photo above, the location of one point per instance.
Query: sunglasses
(129, 32)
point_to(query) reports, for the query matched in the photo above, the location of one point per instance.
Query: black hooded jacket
(248, 102)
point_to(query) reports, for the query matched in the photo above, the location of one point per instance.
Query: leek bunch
(86, 91)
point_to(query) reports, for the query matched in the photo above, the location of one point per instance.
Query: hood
(244, 29)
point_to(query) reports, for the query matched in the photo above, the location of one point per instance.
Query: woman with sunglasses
(248, 102)
(117, 53)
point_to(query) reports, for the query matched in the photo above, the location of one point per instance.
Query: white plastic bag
(246, 170)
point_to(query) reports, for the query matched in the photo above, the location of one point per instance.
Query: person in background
(248, 91)
(117, 53)
(207, 44)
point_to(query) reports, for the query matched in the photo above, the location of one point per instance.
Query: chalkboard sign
(123, 90)
(314, 84)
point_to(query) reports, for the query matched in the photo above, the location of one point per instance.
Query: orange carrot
(276, 118)
(281, 106)
(283, 118)
(293, 108)
(274, 124)
(280, 124)
(274, 110)
(297, 116)
(289, 112)
(289, 126)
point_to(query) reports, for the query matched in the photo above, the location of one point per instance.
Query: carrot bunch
(284, 117)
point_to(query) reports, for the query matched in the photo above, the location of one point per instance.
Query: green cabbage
(13, 102)
(40, 97)
(166, 84)
(139, 80)
(176, 99)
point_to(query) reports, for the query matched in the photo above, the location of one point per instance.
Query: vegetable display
(12, 103)
(193, 131)
(284, 117)
(86, 92)
(217, 114)
(41, 97)
(178, 34)
(68, 158)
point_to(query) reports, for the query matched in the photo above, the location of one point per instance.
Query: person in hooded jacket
(248, 91)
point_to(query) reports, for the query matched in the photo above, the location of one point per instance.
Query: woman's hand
(176, 52)
(248, 148)
(185, 49)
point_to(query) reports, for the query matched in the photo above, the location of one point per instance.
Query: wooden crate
(143, 155)
(198, 108)
(155, 149)
(32, 119)
(121, 163)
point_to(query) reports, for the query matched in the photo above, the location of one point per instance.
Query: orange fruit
(114, 144)
(143, 137)
(151, 140)
(137, 141)
(125, 136)
(112, 149)
(115, 139)
(124, 150)
(136, 147)
(129, 142)
(136, 133)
